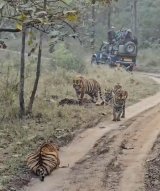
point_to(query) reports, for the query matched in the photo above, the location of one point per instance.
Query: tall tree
(38, 71)
(93, 33)
(22, 72)
(53, 18)
(134, 16)
(109, 17)
(93, 26)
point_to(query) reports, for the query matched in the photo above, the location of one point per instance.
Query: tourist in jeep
(111, 35)
(128, 36)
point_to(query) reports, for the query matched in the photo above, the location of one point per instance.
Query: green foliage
(149, 59)
(148, 13)
(64, 58)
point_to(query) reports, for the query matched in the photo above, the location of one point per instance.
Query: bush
(64, 58)
(148, 60)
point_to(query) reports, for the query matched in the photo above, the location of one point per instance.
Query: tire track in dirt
(152, 174)
(137, 141)
(90, 172)
(117, 160)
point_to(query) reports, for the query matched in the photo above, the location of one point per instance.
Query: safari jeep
(116, 53)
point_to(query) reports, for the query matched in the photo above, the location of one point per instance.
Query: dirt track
(116, 161)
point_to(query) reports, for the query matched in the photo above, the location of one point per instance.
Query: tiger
(108, 96)
(109, 93)
(119, 101)
(87, 86)
(117, 87)
(44, 160)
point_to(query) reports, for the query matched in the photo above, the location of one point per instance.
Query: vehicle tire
(93, 60)
(130, 47)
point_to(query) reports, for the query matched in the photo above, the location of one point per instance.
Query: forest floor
(119, 156)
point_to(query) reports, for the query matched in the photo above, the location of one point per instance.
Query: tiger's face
(120, 95)
(117, 87)
(108, 95)
(77, 84)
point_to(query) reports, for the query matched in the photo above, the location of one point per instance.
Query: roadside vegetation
(149, 60)
(49, 120)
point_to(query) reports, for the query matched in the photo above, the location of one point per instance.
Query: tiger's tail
(100, 94)
(41, 173)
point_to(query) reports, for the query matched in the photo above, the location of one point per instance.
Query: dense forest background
(118, 14)
(148, 24)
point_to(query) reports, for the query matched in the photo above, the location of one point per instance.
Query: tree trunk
(93, 27)
(109, 18)
(22, 71)
(38, 71)
(134, 17)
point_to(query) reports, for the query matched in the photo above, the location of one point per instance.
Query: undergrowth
(51, 121)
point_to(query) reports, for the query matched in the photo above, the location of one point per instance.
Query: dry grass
(50, 121)
(149, 60)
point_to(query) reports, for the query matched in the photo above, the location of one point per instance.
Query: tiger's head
(78, 83)
(117, 87)
(108, 95)
(120, 95)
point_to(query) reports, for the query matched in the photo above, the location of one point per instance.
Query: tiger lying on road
(44, 160)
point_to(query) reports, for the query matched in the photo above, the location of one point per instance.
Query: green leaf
(71, 16)
(19, 26)
(22, 17)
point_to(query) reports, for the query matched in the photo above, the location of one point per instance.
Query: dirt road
(116, 161)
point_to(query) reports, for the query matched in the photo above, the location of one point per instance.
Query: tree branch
(9, 30)
(73, 30)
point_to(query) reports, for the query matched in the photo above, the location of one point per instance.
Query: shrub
(64, 58)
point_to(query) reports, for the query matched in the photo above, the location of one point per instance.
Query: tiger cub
(44, 160)
(119, 101)
(109, 93)
(87, 86)
(108, 96)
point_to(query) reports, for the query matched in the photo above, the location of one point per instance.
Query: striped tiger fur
(109, 93)
(87, 86)
(119, 101)
(108, 96)
(117, 87)
(44, 160)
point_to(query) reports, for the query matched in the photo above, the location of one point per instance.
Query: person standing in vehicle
(128, 36)
(111, 35)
